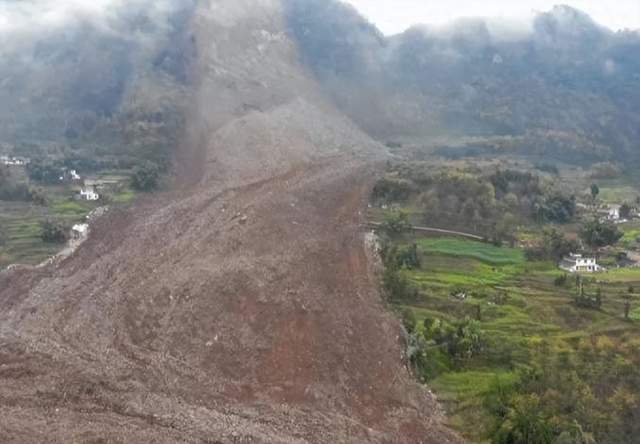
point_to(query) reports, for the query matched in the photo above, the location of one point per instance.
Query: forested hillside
(566, 88)
(112, 85)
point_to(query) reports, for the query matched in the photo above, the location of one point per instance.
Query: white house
(576, 263)
(14, 161)
(613, 212)
(74, 175)
(80, 230)
(88, 194)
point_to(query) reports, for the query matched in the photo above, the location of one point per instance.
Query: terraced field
(519, 307)
(21, 222)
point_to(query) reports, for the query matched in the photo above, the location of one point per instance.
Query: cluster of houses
(70, 175)
(14, 161)
(89, 194)
(577, 263)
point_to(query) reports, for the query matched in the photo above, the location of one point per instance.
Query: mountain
(566, 89)
(111, 86)
(240, 307)
(243, 305)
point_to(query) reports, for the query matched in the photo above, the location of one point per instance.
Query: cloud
(29, 15)
(24, 23)
(394, 16)
(37, 16)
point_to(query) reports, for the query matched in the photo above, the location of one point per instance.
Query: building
(613, 212)
(14, 161)
(74, 175)
(89, 194)
(80, 230)
(576, 263)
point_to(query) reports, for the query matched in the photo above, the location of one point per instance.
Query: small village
(45, 204)
(625, 256)
(84, 189)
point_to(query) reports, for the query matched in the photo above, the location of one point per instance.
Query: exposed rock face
(238, 309)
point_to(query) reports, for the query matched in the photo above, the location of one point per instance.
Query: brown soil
(240, 309)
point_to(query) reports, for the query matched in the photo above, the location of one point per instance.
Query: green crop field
(483, 252)
(520, 307)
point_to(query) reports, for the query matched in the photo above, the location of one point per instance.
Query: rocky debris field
(240, 307)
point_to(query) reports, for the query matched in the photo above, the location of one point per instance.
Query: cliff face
(240, 308)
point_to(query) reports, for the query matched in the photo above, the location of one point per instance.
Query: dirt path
(430, 230)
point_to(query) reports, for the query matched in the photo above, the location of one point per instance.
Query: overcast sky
(393, 16)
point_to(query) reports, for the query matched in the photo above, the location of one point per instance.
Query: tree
(388, 190)
(597, 234)
(146, 177)
(396, 223)
(595, 191)
(38, 196)
(575, 435)
(407, 257)
(44, 171)
(3, 236)
(397, 287)
(584, 300)
(53, 232)
(524, 423)
(627, 301)
(4, 175)
(599, 297)
(505, 230)
(556, 208)
(409, 320)
(554, 246)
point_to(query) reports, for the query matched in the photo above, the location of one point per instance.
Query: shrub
(396, 223)
(44, 171)
(387, 190)
(597, 234)
(561, 281)
(397, 287)
(554, 246)
(53, 232)
(146, 177)
(408, 257)
(556, 208)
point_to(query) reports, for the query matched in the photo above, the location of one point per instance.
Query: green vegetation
(23, 242)
(53, 232)
(518, 350)
(485, 253)
(28, 214)
(597, 234)
(396, 223)
(490, 331)
(145, 177)
(490, 203)
(553, 246)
